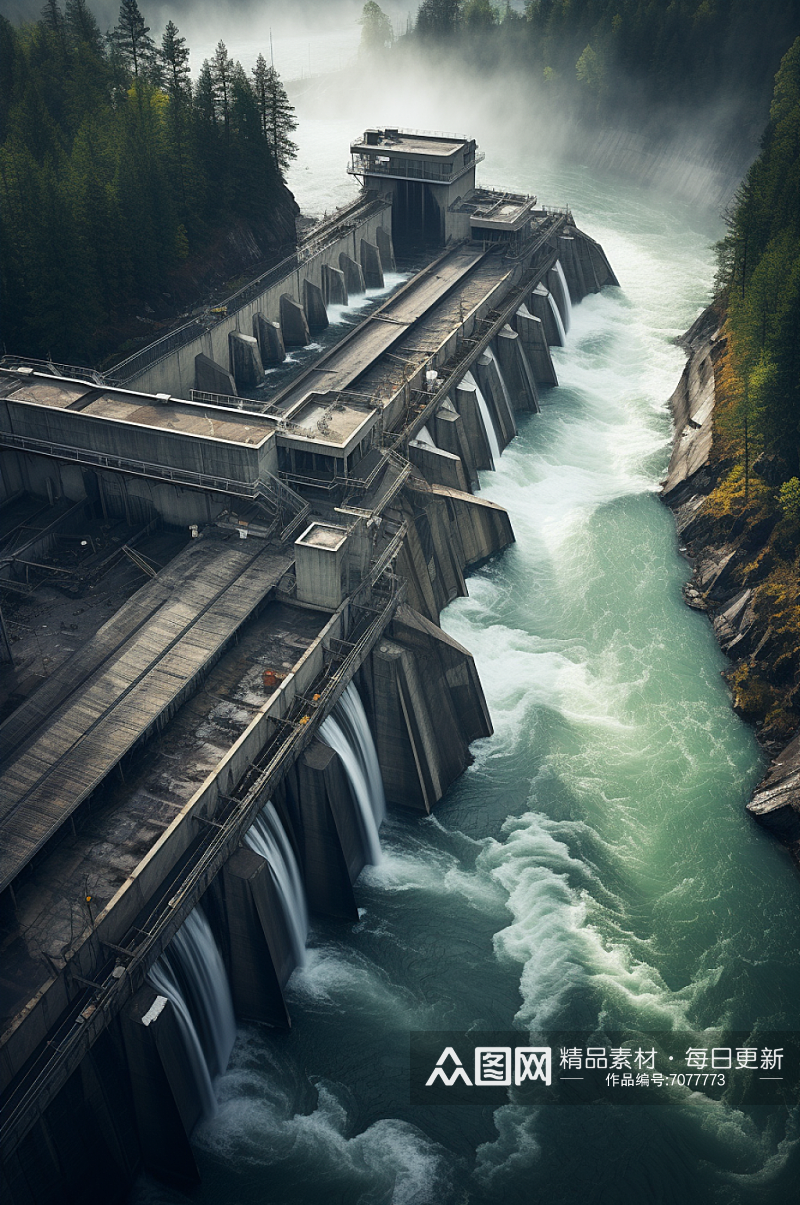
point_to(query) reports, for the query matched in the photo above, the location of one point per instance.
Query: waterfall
(190, 973)
(267, 837)
(346, 730)
(488, 423)
(562, 334)
(566, 296)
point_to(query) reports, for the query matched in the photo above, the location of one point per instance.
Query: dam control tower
(429, 180)
(425, 175)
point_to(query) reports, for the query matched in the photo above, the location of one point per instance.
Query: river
(595, 866)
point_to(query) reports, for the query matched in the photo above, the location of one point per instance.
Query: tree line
(116, 167)
(611, 51)
(758, 286)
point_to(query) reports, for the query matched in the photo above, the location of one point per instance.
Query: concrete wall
(118, 495)
(133, 441)
(175, 373)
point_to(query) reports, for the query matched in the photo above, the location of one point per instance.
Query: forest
(755, 504)
(611, 54)
(116, 169)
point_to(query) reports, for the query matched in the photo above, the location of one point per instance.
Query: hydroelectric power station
(256, 548)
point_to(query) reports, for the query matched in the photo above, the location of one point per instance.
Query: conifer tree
(132, 37)
(82, 26)
(178, 86)
(376, 28)
(277, 115)
(222, 79)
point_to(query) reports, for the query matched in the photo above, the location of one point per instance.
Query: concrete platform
(356, 353)
(81, 722)
(126, 818)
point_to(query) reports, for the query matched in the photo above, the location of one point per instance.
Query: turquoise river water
(595, 866)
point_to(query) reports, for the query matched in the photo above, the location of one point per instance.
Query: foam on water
(594, 866)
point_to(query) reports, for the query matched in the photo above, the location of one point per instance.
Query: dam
(206, 758)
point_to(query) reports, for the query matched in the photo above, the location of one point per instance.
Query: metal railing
(474, 346)
(140, 468)
(87, 376)
(361, 165)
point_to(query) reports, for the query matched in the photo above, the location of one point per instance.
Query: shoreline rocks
(714, 587)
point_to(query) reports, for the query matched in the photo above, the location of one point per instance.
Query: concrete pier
(516, 369)
(448, 432)
(498, 401)
(334, 286)
(573, 271)
(317, 800)
(371, 265)
(428, 707)
(384, 242)
(314, 306)
(466, 402)
(294, 325)
(532, 337)
(353, 274)
(438, 466)
(210, 377)
(556, 288)
(165, 1104)
(256, 941)
(246, 367)
(270, 340)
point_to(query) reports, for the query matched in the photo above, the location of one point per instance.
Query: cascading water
(491, 433)
(347, 731)
(267, 837)
(594, 866)
(562, 334)
(191, 974)
(565, 294)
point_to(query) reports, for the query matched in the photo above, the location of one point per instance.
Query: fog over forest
(495, 88)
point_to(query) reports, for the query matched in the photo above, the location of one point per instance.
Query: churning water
(595, 865)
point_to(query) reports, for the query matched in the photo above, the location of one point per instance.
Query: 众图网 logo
(494, 1066)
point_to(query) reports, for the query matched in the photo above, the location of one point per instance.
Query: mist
(695, 154)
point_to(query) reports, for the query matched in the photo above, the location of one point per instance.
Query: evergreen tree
(277, 114)
(132, 37)
(178, 86)
(222, 79)
(376, 28)
(438, 18)
(478, 16)
(82, 26)
(53, 19)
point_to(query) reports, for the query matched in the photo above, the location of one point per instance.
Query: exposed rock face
(716, 584)
(776, 799)
(692, 405)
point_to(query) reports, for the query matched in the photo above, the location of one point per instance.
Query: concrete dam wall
(305, 600)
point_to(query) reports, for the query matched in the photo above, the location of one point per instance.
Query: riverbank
(741, 546)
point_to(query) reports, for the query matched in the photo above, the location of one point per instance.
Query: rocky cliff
(744, 554)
